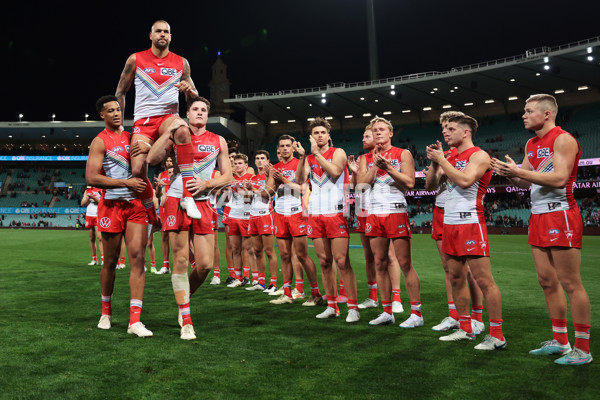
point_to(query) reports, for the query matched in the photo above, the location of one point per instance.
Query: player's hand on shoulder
(140, 147)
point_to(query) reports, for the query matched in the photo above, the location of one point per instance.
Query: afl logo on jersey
(168, 71)
(470, 242)
(105, 222)
(149, 70)
(530, 154)
(553, 232)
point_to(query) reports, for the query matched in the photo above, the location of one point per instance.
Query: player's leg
(165, 249)
(235, 242)
(184, 154)
(216, 279)
(257, 251)
(92, 239)
(371, 301)
(340, 248)
(482, 272)
(139, 169)
(396, 279)
(324, 254)
(203, 253)
(136, 238)
(268, 244)
(411, 279)
(122, 254)
(248, 260)
(300, 249)
(380, 247)
(284, 245)
(457, 272)
(451, 321)
(99, 239)
(476, 303)
(298, 290)
(112, 244)
(151, 253)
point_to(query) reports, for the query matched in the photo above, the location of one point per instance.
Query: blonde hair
(380, 119)
(545, 102)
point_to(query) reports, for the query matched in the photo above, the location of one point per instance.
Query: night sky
(60, 57)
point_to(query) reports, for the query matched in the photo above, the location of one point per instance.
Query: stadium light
(559, 91)
(426, 108)
(20, 117)
(393, 87)
(546, 67)
(274, 121)
(589, 50)
(468, 104)
(323, 100)
(405, 111)
(537, 74)
(511, 98)
(310, 119)
(489, 101)
(86, 116)
(582, 88)
(393, 92)
(376, 100)
(387, 113)
(590, 58)
(366, 114)
(328, 118)
(10, 136)
(252, 123)
(291, 120)
(348, 116)
(447, 106)
(546, 59)
(44, 136)
(53, 117)
(323, 95)
(362, 98)
(512, 79)
(288, 107)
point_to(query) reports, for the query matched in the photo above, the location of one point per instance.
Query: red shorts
(261, 225)
(177, 219)
(215, 219)
(237, 227)
(388, 225)
(113, 215)
(287, 226)
(437, 223)
(556, 229)
(149, 126)
(90, 222)
(361, 220)
(329, 226)
(466, 240)
(226, 210)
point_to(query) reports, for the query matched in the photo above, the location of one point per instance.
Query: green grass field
(248, 348)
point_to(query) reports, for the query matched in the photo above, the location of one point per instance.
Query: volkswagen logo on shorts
(171, 220)
(105, 222)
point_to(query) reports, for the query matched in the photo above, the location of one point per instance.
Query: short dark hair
(285, 137)
(103, 100)
(233, 150)
(195, 99)
(466, 120)
(318, 121)
(264, 153)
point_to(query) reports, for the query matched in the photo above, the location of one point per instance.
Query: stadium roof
(567, 68)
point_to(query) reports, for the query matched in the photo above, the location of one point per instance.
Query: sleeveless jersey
(116, 163)
(260, 205)
(442, 194)
(327, 196)
(155, 93)
(386, 198)
(164, 178)
(465, 206)
(288, 202)
(363, 192)
(240, 200)
(92, 208)
(540, 153)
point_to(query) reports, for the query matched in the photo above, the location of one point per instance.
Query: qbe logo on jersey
(168, 71)
(171, 220)
(105, 222)
(543, 153)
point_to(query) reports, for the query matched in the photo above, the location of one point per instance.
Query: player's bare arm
(303, 169)
(85, 200)
(336, 167)
(404, 179)
(96, 179)
(366, 175)
(157, 152)
(434, 176)
(125, 81)
(186, 85)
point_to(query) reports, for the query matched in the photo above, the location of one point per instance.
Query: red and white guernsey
(540, 153)
(327, 196)
(363, 193)
(163, 177)
(288, 201)
(116, 163)
(386, 198)
(465, 206)
(207, 147)
(442, 194)
(155, 79)
(92, 208)
(240, 201)
(260, 205)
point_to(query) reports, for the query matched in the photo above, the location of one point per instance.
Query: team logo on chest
(543, 153)
(168, 71)
(460, 165)
(205, 148)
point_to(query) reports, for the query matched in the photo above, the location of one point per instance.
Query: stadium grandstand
(42, 164)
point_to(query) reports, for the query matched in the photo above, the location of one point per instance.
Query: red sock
(135, 309)
(261, 278)
(415, 308)
(238, 274)
(465, 323)
(477, 313)
(231, 272)
(582, 337)
(102, 258)
(559, 330)
(184, 309)
(300, 285)
(122, 260)
(287, 288)
(396, 295)
(452, 313)
(343, 289)
(166, 264)
(95, 258)
(372, 290)
(106, 305)
(153, 264)
(193, 264)
(274, 280)
(496, 328)
(217, 273)
(246, 272)
(387, 306)
(353, 304)
(184, 153)
(314, 290)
